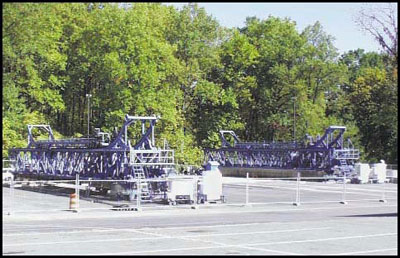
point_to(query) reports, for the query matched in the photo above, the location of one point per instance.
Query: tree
(373, 97)
(279, 48)
(380, 84)
(33, 68)
(196, 36)
(236, 75)
(151, 59)
(381, 22)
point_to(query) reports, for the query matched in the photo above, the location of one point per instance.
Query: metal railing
(391, 166)
(298, 190)
(135, 196)
(88, 192)
(347, 154)
(151, 157)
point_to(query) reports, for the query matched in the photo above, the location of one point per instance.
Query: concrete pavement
(265, 227)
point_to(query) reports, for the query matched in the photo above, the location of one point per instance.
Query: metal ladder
(344, 167)
(139, 173)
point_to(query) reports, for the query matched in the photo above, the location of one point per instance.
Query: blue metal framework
(322, 153)
(94, 157)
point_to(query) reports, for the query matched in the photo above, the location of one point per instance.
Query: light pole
(294, 119)
(88, 114)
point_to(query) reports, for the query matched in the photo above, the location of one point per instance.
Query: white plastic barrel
(211, 185)
(379, 171)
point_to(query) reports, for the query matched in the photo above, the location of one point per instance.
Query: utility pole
(88, 114)
(294, 119)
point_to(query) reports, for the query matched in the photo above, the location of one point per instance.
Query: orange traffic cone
(73, 205)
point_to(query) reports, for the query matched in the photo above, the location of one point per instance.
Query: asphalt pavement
(266, 225)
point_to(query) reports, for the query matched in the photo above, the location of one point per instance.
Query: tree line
(200, 77)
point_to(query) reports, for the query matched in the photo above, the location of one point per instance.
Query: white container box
(180, 187)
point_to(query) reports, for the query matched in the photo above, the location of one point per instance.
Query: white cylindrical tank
(363, 172)
(379, 171)
(211, 186)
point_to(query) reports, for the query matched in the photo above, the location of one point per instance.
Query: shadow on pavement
(374, 215)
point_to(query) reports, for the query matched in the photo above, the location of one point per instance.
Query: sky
(337, 19)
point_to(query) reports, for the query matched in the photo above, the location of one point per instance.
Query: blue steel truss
(93, 157)
(325, 153)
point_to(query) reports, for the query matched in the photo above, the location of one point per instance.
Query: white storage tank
(363, 172)
(211, 186)
(379, 171)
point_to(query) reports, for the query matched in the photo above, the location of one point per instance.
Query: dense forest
(200, 77)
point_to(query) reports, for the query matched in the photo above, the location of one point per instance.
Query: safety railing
(8, 164)
(22, 196)
(151, 157)
(391, 166)
(43, 196)
(347, 154)
(300, 190)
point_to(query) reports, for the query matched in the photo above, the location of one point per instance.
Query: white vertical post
(138, 195)
(126, 134)
(88, 119)
(11, 195)
(297, 203)
(294, 119)
(153, 143)
(88, 126)
(195, 197)
(196, 190)
(101, 164)
(383, 199)
(77, 191)
(88, 188)
(344, 190)
(247, 188)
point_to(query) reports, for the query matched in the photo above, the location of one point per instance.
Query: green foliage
(200, 77)
(373, 97)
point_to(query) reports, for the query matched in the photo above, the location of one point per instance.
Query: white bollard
(297, 203)
(247, 188)
(344, 190)
(195, 194)
(77, 191)
(138, 195)
(11, 195)
(383, 199)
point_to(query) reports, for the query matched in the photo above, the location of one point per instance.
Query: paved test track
(361, 227)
